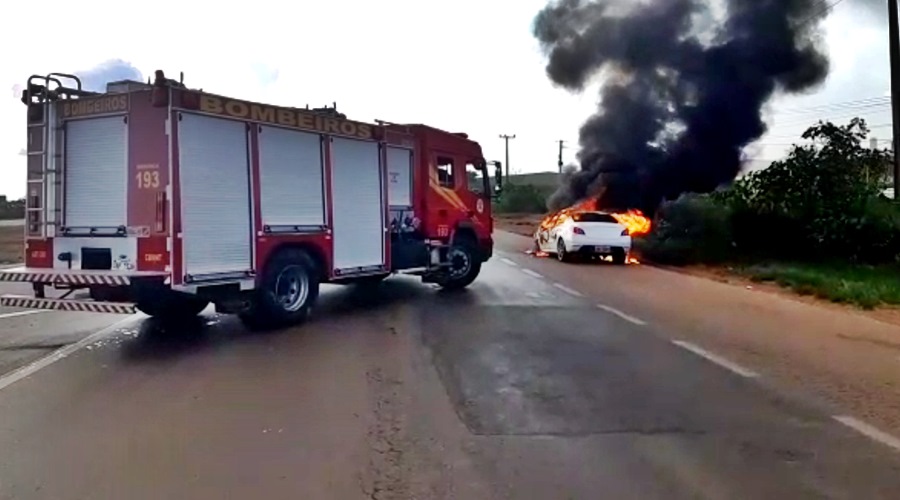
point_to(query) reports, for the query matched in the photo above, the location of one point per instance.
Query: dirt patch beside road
(521, 224)
(12, 247)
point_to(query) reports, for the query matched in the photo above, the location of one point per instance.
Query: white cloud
(465, 66)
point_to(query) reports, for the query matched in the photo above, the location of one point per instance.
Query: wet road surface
(520, 387)
(29, 335)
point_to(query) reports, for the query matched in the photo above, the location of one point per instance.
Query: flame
(635, 220)
(556, 218)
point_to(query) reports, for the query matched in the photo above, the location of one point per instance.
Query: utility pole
(894, 34)
(559, 162)
(506, 139)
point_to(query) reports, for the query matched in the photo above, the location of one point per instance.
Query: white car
(583, 233)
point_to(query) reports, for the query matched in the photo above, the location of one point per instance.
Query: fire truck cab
(164, 199)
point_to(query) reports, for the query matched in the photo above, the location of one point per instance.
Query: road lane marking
(22, 313)
(62, 353)
(533, 274)
(724, 363)
(622, 315)
(508, 262)
(568, 290)
(869, 431)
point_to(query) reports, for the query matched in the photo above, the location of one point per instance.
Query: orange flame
(636, 222)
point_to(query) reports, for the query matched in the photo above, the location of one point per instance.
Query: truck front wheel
(287, 291)
(464, 265)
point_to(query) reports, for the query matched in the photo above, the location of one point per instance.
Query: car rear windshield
(594, 217)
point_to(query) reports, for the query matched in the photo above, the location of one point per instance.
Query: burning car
(585, 231)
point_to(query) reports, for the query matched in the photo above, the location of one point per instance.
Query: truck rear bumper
(73, 305)
(76, 276)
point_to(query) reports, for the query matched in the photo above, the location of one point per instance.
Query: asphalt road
(527, 385)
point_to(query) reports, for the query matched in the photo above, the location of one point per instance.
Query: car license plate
(601, 249)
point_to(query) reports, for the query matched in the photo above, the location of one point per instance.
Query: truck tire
(287, 291)
(465, 265)
(172, 306)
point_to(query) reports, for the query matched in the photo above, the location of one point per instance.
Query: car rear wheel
(561, 253)
(619, 256)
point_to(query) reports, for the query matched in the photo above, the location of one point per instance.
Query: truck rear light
(626, 232)
(577, 230)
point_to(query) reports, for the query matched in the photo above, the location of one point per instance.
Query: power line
(855, 102)
(835, 107)
(826, 8)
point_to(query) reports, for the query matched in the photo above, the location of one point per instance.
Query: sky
(463, 66)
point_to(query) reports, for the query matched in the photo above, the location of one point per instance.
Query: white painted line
(62, 353)
(724, 363)
(568, 290)
(869, 431)
(622, 315)
(533, 274)
(22, 313)
(508, 262)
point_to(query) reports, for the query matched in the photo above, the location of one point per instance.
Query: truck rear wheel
(465, 265)
(288, 289)
(172, 306)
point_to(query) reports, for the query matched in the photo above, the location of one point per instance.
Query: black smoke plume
(684, 84)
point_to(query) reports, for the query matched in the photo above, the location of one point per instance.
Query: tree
(823, 198)
(14, 209)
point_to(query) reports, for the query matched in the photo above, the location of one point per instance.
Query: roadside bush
(14, 209)
(522, 199)
(692, 229)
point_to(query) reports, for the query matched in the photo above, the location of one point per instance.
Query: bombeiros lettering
(285, 117)
(95, 106)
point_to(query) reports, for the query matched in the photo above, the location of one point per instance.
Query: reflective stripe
(67, 305)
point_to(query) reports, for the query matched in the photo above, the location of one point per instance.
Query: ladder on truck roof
(41, 210)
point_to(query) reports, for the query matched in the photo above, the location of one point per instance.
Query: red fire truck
(164, 199)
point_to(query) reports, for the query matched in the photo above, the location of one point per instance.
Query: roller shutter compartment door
(291, 179)
(96, 171)
(215, 196)
(357, 205)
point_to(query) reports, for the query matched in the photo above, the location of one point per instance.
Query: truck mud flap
(72, 305)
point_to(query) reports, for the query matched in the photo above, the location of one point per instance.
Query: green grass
(863, 286)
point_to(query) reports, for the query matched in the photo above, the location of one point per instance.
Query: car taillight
(577, 230)
(626, 232)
